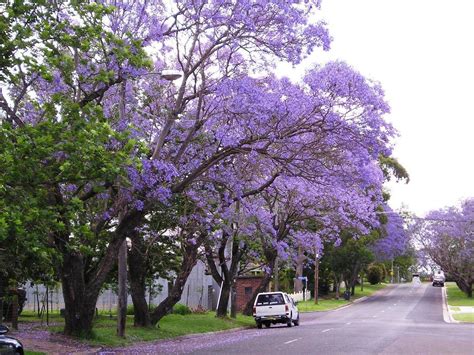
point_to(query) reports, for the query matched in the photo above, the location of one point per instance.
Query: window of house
(248, 291)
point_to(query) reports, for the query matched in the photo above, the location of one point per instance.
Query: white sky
(422, 52)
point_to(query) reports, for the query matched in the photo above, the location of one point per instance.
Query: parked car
(9, 345)
(275, 307)
(438, 279)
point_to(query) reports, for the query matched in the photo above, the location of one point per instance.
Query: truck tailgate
(273, 310)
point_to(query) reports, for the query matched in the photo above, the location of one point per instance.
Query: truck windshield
(273, 298)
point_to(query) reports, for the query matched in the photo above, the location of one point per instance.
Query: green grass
(328, 302)
(456, 297)
(464, 317)
(34, 353)
(173, 325)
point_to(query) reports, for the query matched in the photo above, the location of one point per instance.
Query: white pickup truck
(275, 307)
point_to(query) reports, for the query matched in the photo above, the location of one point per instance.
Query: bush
(130, 311)
(374, 274)
(181, 309)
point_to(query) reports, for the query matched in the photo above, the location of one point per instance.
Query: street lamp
(170, 74)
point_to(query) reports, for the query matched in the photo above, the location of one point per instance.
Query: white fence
(299, 296)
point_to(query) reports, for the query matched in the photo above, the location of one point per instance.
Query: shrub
(130, 311)
(181, 309)
(374, 274)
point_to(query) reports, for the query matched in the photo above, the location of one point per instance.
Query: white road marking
(292, 341)
(326, 330)
(374, 316)
(348, 323)
(383, 311)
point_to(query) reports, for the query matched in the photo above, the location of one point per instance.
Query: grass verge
(456, 297)
(171, 326)
(328, 302)
(464, 317)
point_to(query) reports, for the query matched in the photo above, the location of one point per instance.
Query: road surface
(404, 319)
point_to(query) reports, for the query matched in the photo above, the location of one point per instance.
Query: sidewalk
(461, 309)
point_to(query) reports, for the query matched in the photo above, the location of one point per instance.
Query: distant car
(438, 279)
(275, 307)
(416, 278)
(9, 345)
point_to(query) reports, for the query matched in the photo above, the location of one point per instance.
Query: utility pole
(316, 278)
(122, 290)
(391, 274)
(122, 254)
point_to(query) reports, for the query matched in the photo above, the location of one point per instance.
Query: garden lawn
(173, 325)
(328, 302)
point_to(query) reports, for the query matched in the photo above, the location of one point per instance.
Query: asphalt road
(405, 319)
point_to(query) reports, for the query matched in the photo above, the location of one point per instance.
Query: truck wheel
(290, 321)
(259, 325)
(268, 324)
(297, 321)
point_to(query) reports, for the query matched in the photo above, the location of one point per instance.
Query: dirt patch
(35, 338)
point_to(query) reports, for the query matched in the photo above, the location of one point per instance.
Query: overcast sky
(422, 52)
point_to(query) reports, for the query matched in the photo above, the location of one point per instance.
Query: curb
(447, 316)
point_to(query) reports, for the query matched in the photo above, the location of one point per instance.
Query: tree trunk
(464, 286)
(233, 301)
(15, 309)
(79, 302)
(137, 275)
(227, 276)
(80, 296)
(2, 293)
(189, 261)
(224, 299)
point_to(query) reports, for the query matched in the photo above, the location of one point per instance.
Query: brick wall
(245, 286)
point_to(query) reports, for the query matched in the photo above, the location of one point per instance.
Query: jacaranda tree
(101, 148)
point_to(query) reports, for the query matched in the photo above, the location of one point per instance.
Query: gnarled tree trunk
(81, 289)
(226, 279)
(190, 254)
(79, 301)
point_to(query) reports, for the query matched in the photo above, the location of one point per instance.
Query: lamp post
(316, 278)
